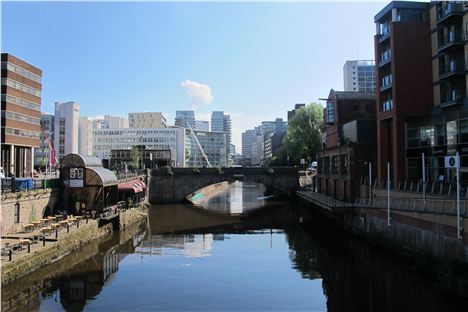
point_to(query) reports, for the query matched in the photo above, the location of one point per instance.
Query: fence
(129, 174)
(9, 185)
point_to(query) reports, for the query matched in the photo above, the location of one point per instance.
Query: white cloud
(198, 93)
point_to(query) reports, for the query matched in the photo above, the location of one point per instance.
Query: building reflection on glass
(186, 245)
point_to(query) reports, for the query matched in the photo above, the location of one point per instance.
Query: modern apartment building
(359, 76)
(43, 154)
(404, 79)
(172, 138)
(66, 128)
(213, 145)
(147, 120)
(21, 105)
(184, 117)
(445, 131)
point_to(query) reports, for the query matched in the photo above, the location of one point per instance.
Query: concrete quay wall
(71, 242)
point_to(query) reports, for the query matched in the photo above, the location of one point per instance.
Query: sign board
(75, 183)
(302, 161)
(452, 161)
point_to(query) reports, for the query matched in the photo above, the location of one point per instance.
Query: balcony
(450, 9)
(450, 98)
(386, 83)
(387, 105)
(453, 38)
(385, 58)
(449, 69)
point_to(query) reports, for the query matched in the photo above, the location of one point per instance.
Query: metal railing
(129, 174)
(11, 185)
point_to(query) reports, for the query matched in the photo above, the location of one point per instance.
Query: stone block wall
(32, 207)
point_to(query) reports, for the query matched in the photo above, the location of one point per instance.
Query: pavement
(13, 239)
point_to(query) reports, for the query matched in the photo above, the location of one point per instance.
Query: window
(16, 217)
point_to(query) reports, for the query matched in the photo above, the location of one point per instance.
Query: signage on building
(452, 161)
(76, 177)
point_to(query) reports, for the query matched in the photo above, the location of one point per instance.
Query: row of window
(20, 102)
(21, 71)
(21, 87)
(152, 132)
(99, 140)
(21, 117)
(22, 133)
(451, 132)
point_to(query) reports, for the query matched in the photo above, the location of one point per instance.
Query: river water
(243, 250)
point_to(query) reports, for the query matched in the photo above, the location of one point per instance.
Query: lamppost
(288, 159)
(151, 160)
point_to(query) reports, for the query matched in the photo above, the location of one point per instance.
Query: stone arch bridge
(172, 186)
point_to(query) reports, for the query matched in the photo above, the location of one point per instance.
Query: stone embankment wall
(431, 231)
(65, 245)
(32, 206)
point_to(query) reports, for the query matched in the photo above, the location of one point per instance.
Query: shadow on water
(353, 275)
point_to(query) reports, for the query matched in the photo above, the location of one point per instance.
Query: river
(243, 250)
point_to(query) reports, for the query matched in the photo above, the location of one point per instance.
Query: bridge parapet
(172, 185)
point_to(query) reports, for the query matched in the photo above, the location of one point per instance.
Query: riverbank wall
(65, 245)
(427, 239)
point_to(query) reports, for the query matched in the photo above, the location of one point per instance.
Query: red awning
(133, 186)
(142, 184)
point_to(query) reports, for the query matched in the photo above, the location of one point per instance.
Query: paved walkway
(35, 238)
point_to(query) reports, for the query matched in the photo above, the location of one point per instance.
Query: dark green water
(243, 251)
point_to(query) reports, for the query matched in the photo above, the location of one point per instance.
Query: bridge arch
(173, 186)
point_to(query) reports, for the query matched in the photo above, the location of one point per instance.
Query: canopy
(99, 176)
(133, 186)
(80, 160)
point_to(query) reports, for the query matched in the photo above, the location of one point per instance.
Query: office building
(213, 145)
(43, 155)
(272, 143)
(184, 117)
(404, 79)
(21, 113)
(172, 138)
(202, 125)
(222, 123)
(146, 120)
(359, 76)
(85, 135)
(247, 138)
(66, 122)
(121, 122)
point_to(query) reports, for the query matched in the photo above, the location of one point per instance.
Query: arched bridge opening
(172, 185)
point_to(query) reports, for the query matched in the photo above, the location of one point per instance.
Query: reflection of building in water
(189, 245)
(251, 192)
(75, 290)
(218, 237)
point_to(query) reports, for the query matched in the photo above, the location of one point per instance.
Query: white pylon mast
(199, 145)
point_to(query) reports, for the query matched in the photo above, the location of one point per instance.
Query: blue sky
(257, 59)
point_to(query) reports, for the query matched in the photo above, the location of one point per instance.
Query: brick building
(21, 113)
(349, 143)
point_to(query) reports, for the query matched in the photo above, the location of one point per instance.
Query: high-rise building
(404, 78)
(21, 113)
(202, 125)
(85, 135)
(184, 117)
(116, 122)
(359, 76)
(66, 128)
(42, 155)
(146, 120)
(247, 138)
(221, 122)
(297, 107)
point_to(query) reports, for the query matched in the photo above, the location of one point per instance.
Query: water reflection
(189, 258)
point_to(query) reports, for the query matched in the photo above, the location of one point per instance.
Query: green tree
(135, 157)
(304, 136)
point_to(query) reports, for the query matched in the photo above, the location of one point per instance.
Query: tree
(304, 136)
(135, 157)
